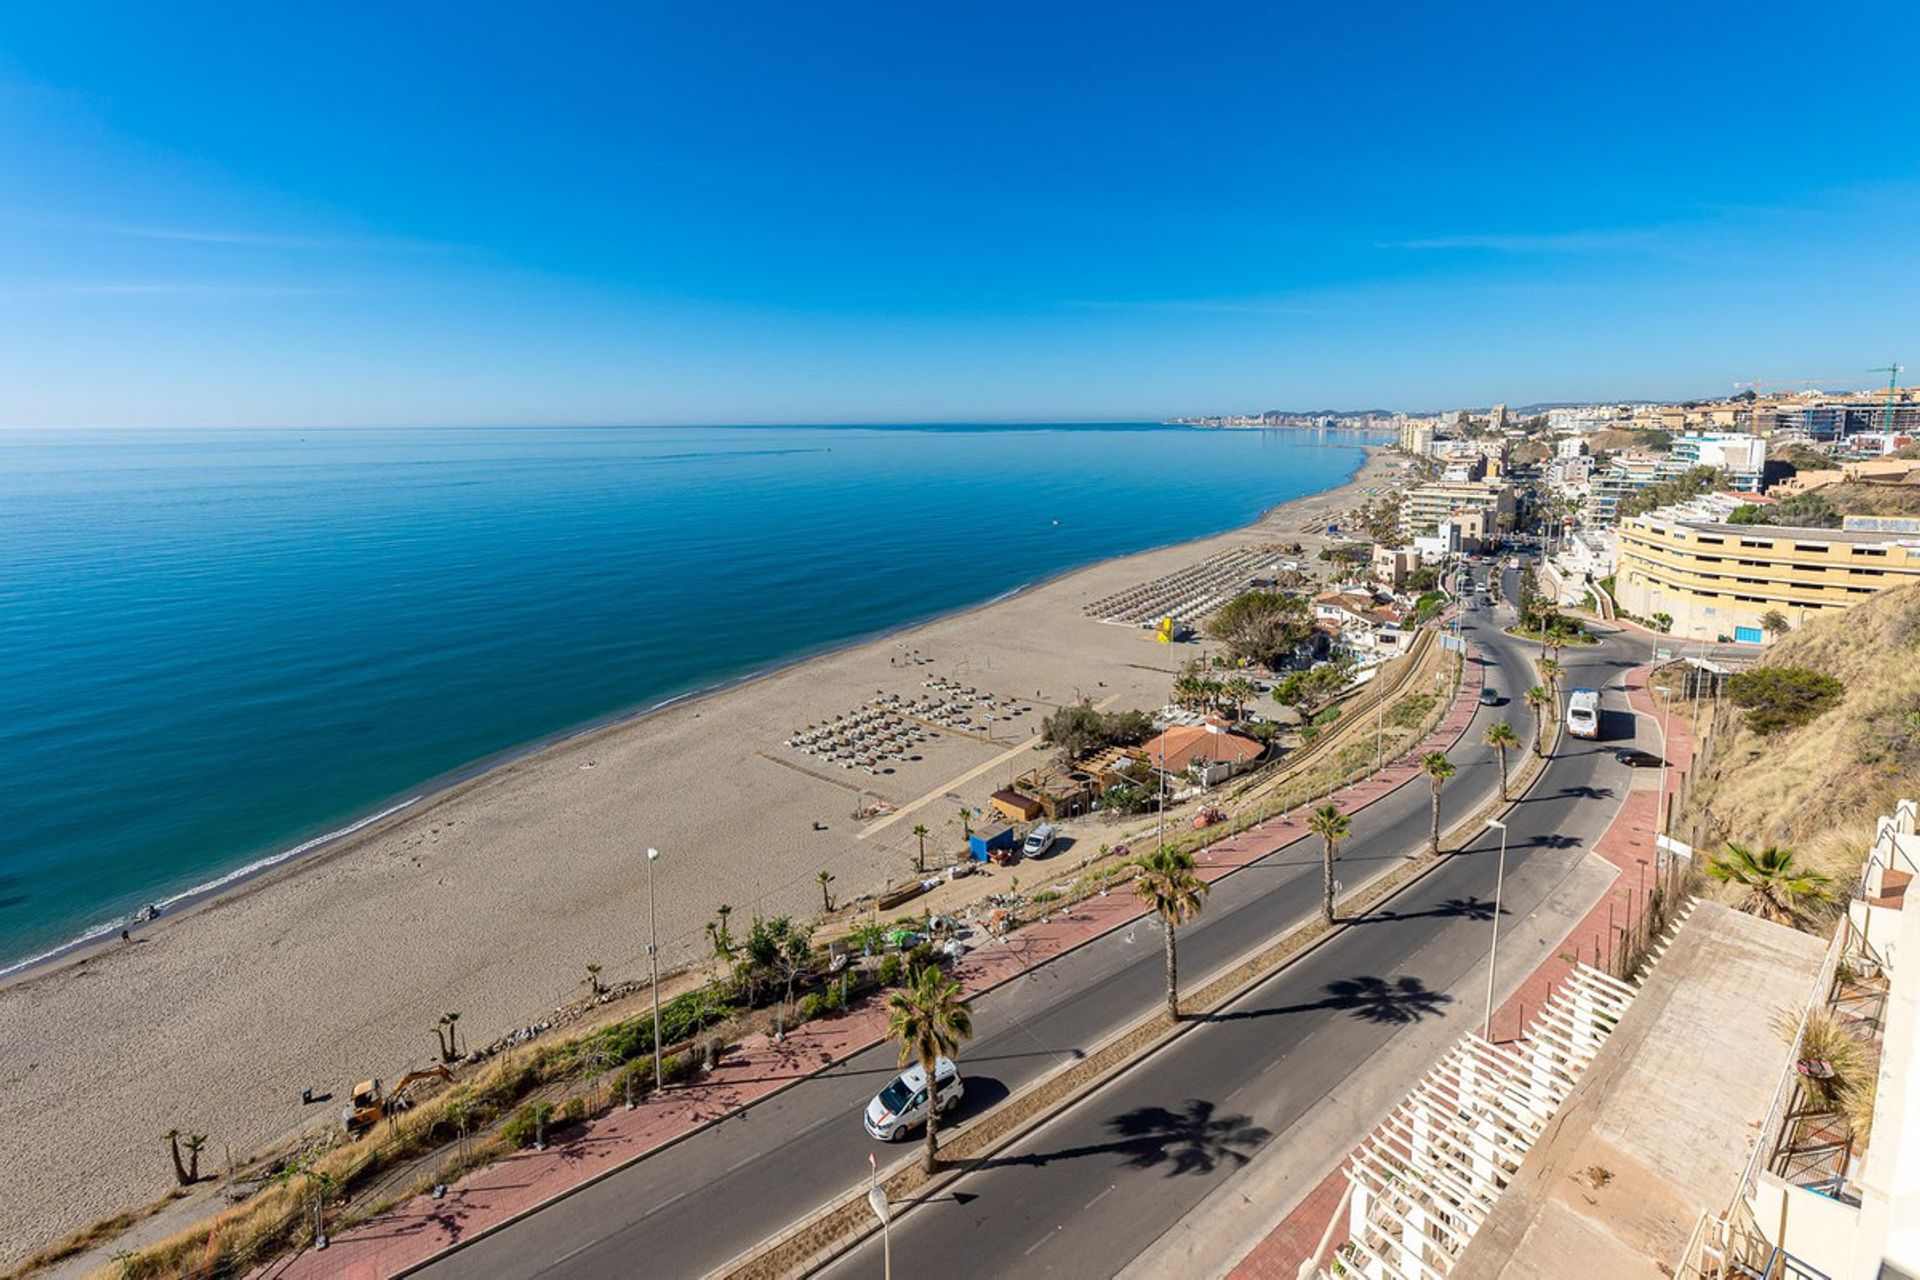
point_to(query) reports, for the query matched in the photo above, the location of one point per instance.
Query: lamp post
(877, 1200)
(653, 961)
(1666, 723)
(1160, 840)
(1493, 945)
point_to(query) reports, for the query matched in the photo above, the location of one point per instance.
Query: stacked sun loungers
(1190, 595)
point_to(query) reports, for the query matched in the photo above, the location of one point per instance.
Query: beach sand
(491, 897)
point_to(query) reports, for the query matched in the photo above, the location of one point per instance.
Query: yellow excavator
(370, 1105)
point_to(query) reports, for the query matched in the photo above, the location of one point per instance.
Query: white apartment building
(1742, 457)
(1585, 419)
(1837, 1197)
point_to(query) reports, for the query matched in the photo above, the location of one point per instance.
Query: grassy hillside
(1874, 499)
(1817, 789)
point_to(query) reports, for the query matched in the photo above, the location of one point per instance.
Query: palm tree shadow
(1397, 1002)
(1388, 1002)
(1191, 1140)
(1467, 908)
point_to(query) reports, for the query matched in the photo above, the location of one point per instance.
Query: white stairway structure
(1424, 1181)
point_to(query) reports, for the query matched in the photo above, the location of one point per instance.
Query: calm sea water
(215, 646)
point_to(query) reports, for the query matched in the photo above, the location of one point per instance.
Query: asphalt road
(692, 1207)
(1088, 1192)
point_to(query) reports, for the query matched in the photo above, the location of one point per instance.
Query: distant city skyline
(460, 216)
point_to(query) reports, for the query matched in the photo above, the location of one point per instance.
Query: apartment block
(1426, 506)
(1719, 580)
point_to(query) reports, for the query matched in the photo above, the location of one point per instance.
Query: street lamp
(653, 960)
(1493, 945)
(877, 1200)
(1666, 723)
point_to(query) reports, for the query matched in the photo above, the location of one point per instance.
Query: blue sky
(255, 214)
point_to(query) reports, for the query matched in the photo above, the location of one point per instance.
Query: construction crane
(1893, 372)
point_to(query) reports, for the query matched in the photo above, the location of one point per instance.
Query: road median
(842, 1225)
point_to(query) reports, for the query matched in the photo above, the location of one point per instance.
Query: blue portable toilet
(981, 844)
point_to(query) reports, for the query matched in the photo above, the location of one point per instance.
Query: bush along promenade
(778, 1009)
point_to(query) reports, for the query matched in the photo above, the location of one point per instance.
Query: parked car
(902, 1106)
(1039, 840)
(1489, 696)
(1634, 758)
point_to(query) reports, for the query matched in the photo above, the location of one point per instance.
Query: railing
(1727, 1234)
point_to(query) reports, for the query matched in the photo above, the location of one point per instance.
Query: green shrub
(890, 970)
(808, 1008)
(1411, 710)
(524, 1127)
(1780, 698)
(573, 1111)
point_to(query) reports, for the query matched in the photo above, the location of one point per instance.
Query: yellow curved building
(1720, 580)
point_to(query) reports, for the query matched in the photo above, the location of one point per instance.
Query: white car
(1039, 840)
(901, 1107)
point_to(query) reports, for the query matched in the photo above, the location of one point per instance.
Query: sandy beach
(491, 897)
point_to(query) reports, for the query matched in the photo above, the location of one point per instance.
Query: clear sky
(254, 214)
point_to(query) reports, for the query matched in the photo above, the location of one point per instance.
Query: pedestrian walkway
(758, 1067)
(1627, 844)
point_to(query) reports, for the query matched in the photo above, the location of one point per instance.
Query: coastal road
(1092, 1189)
(693, 1206)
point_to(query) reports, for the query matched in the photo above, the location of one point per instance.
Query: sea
(221, 649)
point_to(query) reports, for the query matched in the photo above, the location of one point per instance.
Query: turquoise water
(215, 646)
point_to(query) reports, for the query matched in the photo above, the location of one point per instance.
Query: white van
(1583, 713)
(1039, 840)
(901, 1107)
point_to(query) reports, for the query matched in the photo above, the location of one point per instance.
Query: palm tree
(179, 1168)
(1332, 827)
(443, 1031)
(1500, 737)
(1775, 889)
(719, 936)
(1539, 699)
(966, 823)
(1437, 768)
(1166, 883)
(1550, 672)
(921, 833)
(195, 1144)
(1240, 689)
(592, 981)
(929, 1018)
(826, 895)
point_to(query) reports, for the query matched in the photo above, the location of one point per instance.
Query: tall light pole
(1160, 841)
(877, 1200)
(1666, 723)
(1493, 945)
(653, 960)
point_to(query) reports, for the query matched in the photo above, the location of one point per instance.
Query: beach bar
(982, 845)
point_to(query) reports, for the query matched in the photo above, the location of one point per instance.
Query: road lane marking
(1037, 1243)
(572, 1253)
(1103, 1195)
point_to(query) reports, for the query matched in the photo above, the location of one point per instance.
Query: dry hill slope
(1818, 788)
